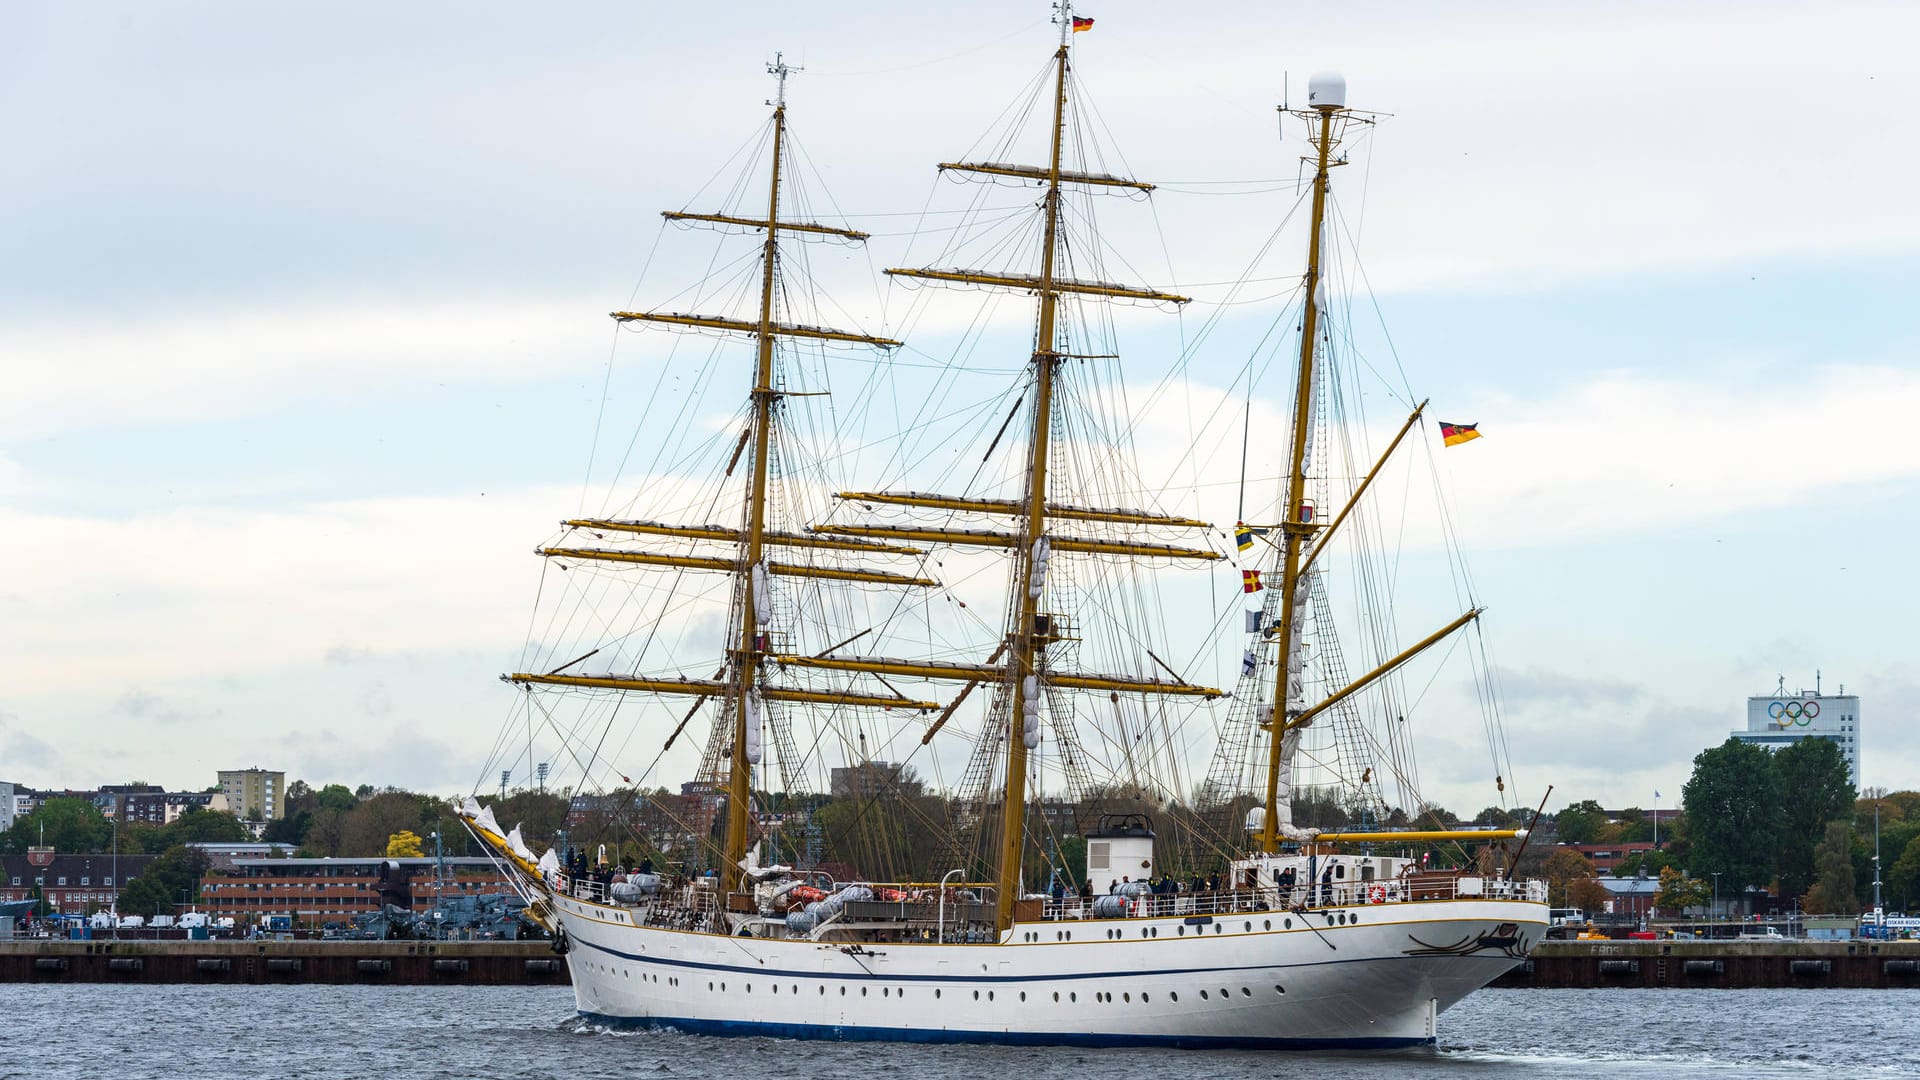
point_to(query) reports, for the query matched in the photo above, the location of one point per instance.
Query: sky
(303, 335)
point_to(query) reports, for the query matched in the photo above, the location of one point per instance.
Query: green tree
(1580, 823)
(199, 826)
(1902, 879)
(1733, 811)
(1833, 890)
(158, 889)
(336, 797)
(68, 824)
(1814, 790)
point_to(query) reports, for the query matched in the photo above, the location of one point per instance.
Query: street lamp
(1713, 913)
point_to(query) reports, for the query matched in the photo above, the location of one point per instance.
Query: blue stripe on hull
(998, 1038)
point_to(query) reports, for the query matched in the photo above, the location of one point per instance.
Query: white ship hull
(1366, 977)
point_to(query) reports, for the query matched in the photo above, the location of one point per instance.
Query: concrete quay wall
(1722, 964)
(411, 963)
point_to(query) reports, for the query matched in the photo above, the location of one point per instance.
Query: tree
(1902, 881)
(1588, 894)
(198, 826)
(1732, 802)
(1565, 867)
(404, 845)
(68, 824)
(1833, 891)
(1580, 823)
(177, 870)
(336, 797)
(1679, 892)
(1814, 790)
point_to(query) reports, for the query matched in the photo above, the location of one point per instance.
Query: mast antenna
(780, 70)
(1063, 18)
(1286, 103)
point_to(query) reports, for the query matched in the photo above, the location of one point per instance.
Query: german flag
(1455, 434)
(1081, 22)
(1250, 581)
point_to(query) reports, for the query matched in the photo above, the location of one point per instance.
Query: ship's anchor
(559, 944)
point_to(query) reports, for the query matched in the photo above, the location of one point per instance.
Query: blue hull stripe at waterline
(839, 1033)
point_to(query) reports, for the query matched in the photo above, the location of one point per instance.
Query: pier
(1744, 965)
(398, 963)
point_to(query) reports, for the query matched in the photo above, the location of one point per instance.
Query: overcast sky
(302, 334)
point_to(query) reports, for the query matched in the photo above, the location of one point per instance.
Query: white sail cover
(549, 865)
(519, 847)
(485, 820)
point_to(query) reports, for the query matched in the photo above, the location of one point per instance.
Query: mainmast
(1020, 665)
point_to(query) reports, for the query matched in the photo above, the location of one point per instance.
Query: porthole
(989, 995)
(884, 992)
(1244, 992)
(1217, 928)
(723, 988)
(1072, 996)
(1288, 924)
(936, 993)
(1023, 995)
(1249, 926)
(823, 991)
(1143, 999)
(1056, 995)
(843, 991)
(793, 989)
(709, 986)
(863, 991)
(1174, 995)
(1223, 992)
(1181, 932)
(1278, 989)
(1203, 995)
(1128, 998)
(976, 995)
(1266, 924)
(1353, 918)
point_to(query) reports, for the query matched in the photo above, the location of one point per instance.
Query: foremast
(740, 682)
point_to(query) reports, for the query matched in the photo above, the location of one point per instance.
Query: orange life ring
(1377, 894)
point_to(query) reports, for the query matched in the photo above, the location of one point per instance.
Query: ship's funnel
(1327, 90)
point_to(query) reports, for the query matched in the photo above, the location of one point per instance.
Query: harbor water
(511, 1033)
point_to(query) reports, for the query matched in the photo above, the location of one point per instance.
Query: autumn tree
(1679, 892)
(404, 845)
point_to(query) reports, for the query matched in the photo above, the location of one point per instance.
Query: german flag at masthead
(1455, 434)
(1081, 22)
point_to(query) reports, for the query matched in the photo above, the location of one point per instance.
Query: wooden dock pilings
(1719, 964)
(408, 963)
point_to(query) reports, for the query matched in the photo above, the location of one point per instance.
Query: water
(515, 1033)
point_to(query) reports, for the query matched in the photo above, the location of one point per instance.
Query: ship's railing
(1417, 888)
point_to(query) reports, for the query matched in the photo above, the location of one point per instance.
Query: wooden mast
(1027, 643)
(1296, 532)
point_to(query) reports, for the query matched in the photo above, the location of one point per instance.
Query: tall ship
(1078, 883)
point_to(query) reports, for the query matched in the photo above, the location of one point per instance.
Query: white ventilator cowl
(1327, 89)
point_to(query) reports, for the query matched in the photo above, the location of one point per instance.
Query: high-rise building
(255, 794)
(1779, 718)
(6, 806)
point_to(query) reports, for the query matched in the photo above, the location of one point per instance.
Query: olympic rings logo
(1800, 713)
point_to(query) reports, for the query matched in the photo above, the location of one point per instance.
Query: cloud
(181, 368)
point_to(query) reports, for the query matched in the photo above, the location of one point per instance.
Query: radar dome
(1327, 90)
